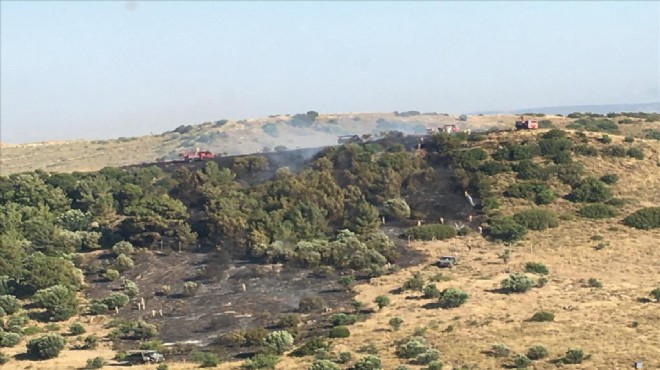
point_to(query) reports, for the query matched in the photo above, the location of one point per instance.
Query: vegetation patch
(645, 218)
(598, 210)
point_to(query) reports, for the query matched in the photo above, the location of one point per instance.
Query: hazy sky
(90, 69)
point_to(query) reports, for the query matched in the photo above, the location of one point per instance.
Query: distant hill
(602, 109)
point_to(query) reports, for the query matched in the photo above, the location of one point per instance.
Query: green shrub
(205, 359)
(111, 275)
(59, 301)
(452, 298)
(130, 288)
(655, 293)
(123, 247)
(190, 288)
(506, 229)
(261, 361)
(344, 357)
(594, 283)
(340, 331)
(395, 323)
(427, 357)
(590, 190)
(9, 304)
(369, 362)
(313, 346)
(342, 319)
(585, 150)
(499, 350)
(346, 281)
(124, 262)
(411, 347)
(95, 363)
(610, 178)
(637, 153)
(98, 308)
(324, 365)
(396, 208)
(573, 356)
(431, 291)
(517, 283)
(3, 359)
(598, 210)
(434, 365)
(536, 268)
(416, 283)
(645, 218)
(629, 139)
(537, 352)
(382, 301)
(545, 123)
(45, 347)
(543, 316)
(569, 173)
(431, 232)
(279, 341)
(615, 151)
(76, 328)
(310, 303)
(537, 219)
(9, 339)
(492, 168)
(91, 342)
(117, 299)
(528, 170)
(537, 192)
(606, 139)
(521, 361)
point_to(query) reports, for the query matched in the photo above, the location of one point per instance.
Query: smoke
(131, 5)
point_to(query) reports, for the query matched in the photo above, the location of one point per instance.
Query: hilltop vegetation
(64, 233)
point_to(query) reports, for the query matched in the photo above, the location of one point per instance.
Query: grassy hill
(600, 270)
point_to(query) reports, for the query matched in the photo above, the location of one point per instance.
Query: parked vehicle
(446, 261)
(143, 357)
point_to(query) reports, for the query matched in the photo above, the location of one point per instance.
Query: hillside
(223, 138)
(242, 258)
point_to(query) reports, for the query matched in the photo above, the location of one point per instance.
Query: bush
(111, 275)
(537, 219)
(431, 291)
(590, 190)
(3, 359)
(537, 192)
(543, 316)
(536, 268)
(95, 363)
(342, 319)
(594, 283)
(311, 303)
(615, 151)
(585, 150)
(427, 357)
(324, 365)
(411, 347)
(452, 298)
(573, 356)
(434, 365)
(492, 168)
(521, 361)
(528, 170)
(124, 262)
(91, 342)
(344, 357)
(382, 301)
(655, 293)
(76, 328)
(637, 153)
(346, 282)
(340, 331)
(130, 288)
(606, 139)
(117, 299)
(629, 139)
(98, 308)
(431, 232)
(598, 210)
(610, 178)
(9, 304)
(415, 283)
(123, 247)
(279, 341)
(537, 352)
(645, 218)
(395, 323)
(59, 301)
(517, 283)
(261, 361)
(396, 208)
(45, 347)
(499, 350)
(315, 345)
(369, 362)
(206, 359)
(506, 229)
(190, 288)
(9, 339)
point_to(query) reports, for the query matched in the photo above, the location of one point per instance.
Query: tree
(123, 247)
(368, 362)
(396, 208)
(279, 341)
(452, 297)
(59, 301)
(590, 190)
(9, 304)
(124, 263)
(382, 301)
(116, 300)
(45, 347)
(43, 271)
(346, 282)
(506, 229)
(324, 365)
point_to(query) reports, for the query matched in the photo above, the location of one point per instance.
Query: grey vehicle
(143, 357)
(446, 261)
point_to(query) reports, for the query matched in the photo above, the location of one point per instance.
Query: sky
(93, 69)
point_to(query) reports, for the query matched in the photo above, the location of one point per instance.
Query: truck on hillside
(197, 155)
(524, 124)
